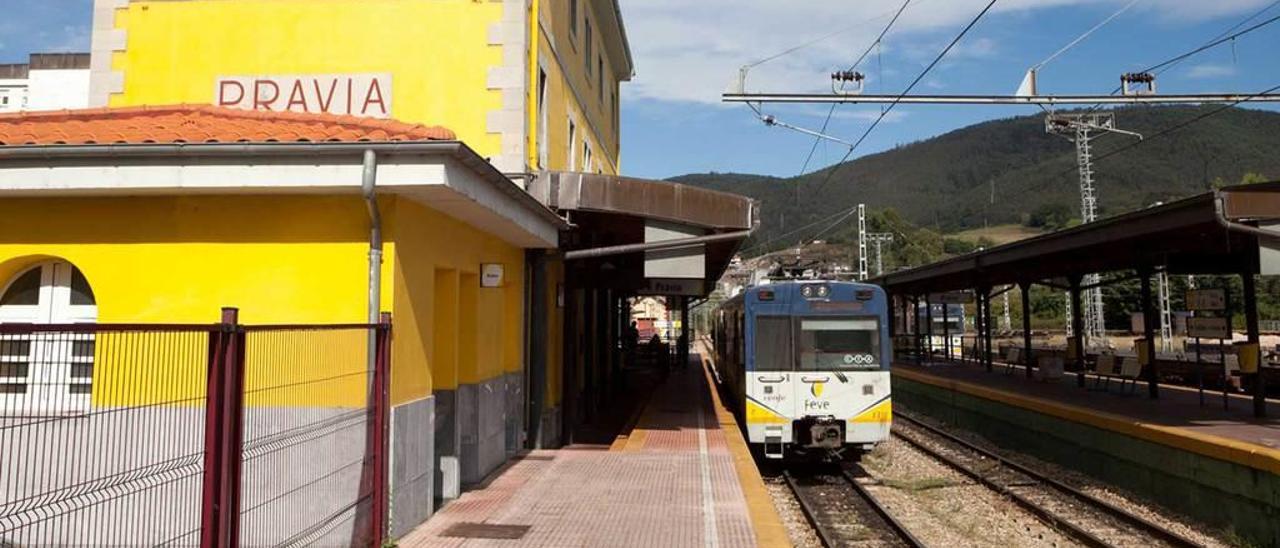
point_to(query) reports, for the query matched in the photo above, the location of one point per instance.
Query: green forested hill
(946, 183)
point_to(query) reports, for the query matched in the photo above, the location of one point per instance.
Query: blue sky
(688, 52)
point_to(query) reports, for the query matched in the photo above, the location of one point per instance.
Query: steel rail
(1027, 504)
(1129, 517)
(897, 526)
(824, 535)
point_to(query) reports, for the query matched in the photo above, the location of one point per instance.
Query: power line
(1221, 39)
(1085, 35)
(1154, 136)
(831, 112)
(831, 174)
(810, 225)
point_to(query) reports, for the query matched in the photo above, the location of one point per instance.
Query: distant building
(48, 81)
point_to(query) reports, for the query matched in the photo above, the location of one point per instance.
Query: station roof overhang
(611, 215)
(446, 176)
(1211, 233)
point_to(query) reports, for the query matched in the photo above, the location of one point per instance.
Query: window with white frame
(573, 18)
(542, 118)
(587, 57)
(586, 156)
(573, 141)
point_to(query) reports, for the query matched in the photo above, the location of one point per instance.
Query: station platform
(682, 476)
(1220, 466)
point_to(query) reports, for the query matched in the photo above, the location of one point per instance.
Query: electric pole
(862, 242)
(879, 238)
(1082, 129)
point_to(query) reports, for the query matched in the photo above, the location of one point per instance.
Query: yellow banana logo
(816, 388)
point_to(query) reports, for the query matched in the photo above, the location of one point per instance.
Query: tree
(1050, 216)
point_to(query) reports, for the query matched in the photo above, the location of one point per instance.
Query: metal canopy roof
(610, 214)
(1211, 233)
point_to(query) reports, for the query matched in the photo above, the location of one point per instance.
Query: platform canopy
(1211, 233)
(643, 236)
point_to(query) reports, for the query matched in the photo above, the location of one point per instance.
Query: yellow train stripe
(881, 412)
(759, 414)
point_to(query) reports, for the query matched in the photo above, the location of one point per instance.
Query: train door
(770, 387)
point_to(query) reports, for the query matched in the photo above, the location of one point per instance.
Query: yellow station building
(227, 163)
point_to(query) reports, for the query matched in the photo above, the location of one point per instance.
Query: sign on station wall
(953, 297)
(1206, 299)
(1208, 328)
(367, 95)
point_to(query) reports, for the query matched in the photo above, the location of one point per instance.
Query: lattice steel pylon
(862, 242)
(1006, 322)
(880, 238)
(1082, 129)
(1166, 314)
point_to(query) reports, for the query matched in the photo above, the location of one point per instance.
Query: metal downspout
(368, 187)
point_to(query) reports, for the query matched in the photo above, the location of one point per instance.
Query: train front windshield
(838, 343)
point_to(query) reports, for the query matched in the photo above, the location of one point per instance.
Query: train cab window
(773, 344)
(839, 343)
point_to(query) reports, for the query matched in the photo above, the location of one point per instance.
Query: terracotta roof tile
(201, 124)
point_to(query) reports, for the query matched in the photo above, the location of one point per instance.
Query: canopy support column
(1077, 328)
(1026, 325)
(1252, 332)
(1148, 334)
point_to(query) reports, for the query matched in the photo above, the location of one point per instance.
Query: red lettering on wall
(260, 102)
(374, 89)
(349, 93)
(223, 98)
(297, 97)
(325, 100)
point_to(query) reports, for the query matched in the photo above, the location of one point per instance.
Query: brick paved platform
(671, 482)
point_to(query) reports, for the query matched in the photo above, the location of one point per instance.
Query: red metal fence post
(213, 509)
(232, 431)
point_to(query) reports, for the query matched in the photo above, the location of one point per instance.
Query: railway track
(843, 513)
(1084, 517)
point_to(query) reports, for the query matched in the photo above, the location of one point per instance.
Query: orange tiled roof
(201, 124)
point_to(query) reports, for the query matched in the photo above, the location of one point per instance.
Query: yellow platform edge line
(765, 521)
(1218, 447)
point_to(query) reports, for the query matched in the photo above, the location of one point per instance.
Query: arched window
(47, 372)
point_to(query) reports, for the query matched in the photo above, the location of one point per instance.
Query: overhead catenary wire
(831, 112)
(1086, 34)
(1153, 137)
(839, 165)
(800, 229)
(1222, 38)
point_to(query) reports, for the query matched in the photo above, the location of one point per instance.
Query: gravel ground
(798, 529)
(1183, 525)
(943, 508)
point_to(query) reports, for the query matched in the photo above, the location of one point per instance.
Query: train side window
(773, 344)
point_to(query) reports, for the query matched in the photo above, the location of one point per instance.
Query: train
(805, 365)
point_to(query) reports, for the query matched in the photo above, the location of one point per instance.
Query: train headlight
(806, 292)
(824, 291)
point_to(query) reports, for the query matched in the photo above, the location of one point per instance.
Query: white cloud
(689, 51)
(1211, 71)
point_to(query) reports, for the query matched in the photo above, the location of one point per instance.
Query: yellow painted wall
(179, 260)
(429, 244)
(282, 259)
(570, 93)
(436, 51)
